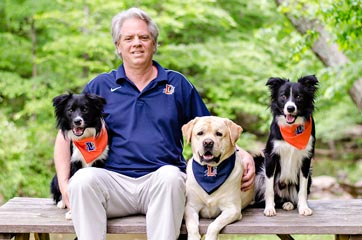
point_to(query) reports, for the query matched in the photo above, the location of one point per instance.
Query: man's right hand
(62, 165)
(65, 197)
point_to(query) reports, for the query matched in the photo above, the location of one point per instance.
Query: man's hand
(247, 181)
(62, 165)
(65, 197)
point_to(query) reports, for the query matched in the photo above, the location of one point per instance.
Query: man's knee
(171, 176)
(83, 179)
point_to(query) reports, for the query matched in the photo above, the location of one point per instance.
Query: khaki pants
(97, 194)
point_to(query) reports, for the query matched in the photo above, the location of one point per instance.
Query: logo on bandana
(169, 89)
(299, 130)
(211, 171)
(211, 178)
(93, 147)
(297, 135)
(90, 146)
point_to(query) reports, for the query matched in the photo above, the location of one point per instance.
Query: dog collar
(211, 178)
(297, 135)
(91, 148)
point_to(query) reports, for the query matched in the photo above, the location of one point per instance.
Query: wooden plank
(24, 215)
(329, 217)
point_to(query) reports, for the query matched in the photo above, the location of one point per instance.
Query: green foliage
(345, 19)
(25, 161)
(227, 49)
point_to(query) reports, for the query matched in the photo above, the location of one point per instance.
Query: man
(145, 171)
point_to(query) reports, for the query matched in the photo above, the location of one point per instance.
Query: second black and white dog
(80, 119)
(284, 172)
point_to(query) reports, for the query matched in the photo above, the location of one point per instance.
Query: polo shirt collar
(161, 75)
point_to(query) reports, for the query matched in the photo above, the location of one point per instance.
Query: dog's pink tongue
(208, 156)
(290, 118)
(78, 131)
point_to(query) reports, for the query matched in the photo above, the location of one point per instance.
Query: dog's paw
(269, 212)
(210, 236)
(61, 204)
(288, 206)
(68, 215)
(306, 211)
(193, 237)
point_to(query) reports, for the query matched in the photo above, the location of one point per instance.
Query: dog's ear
(234, 129)
(59, 104)
(311, 82)
(96, 100)
(187, 129)
(61, 99)
(275, 83)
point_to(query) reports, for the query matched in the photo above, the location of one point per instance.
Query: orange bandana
(297, 135)
(92, 147)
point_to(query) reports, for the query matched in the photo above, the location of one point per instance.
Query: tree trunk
(328, 53)
(356, 93)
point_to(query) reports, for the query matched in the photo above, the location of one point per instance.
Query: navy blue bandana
(211, 178)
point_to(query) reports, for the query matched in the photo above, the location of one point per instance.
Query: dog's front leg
(269, 185)
(226, 217)
(192, 222)
(61, 204)
(302, 196)
(269, 197)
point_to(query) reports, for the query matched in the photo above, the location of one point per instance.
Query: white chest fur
(291, 159)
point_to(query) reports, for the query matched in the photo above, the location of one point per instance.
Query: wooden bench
(21, 216)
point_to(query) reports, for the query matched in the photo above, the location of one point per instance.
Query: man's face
(136, 45)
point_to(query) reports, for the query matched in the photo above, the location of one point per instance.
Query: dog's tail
(259, 163)
(259, 181)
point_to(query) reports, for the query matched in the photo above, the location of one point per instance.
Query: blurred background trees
(226, 48)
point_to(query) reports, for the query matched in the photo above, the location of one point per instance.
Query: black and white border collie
(283, 176)
(80, 119)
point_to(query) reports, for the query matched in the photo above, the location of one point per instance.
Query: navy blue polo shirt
(145, 127)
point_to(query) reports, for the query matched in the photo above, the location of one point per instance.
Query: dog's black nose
(77, 122)
(208, 143)
(290, 109)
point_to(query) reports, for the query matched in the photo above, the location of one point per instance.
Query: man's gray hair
(133, 12)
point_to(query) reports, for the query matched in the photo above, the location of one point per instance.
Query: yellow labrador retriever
(214, 175)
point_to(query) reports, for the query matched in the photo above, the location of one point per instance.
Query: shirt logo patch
(169, 89)
(90, 146)
(114, 89)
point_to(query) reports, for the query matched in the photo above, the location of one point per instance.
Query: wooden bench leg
(41, 236)
(341, 237)
(22, 236)
(355, 237)
(5, 236)
(348, 237)
(285, 237)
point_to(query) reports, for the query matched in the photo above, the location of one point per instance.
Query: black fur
(77, 112)
(299, 108)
